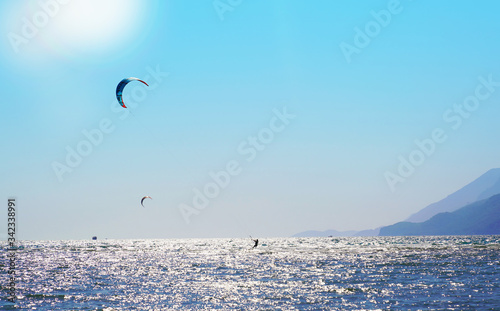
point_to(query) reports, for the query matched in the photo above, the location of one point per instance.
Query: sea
(330, 273)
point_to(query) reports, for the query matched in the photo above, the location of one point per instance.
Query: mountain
(369, 232)
(483, 187)
(313, 233)
(478, 218)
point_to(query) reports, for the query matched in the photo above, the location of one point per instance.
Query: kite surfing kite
(121, 86)
(146, 197)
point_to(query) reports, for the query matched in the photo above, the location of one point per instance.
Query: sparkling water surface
(349, 273)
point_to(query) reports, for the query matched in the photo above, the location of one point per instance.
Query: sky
(262, 118)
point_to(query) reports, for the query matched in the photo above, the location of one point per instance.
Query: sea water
(348, 273)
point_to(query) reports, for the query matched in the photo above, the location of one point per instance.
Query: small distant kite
(146, 197)
(121, 86)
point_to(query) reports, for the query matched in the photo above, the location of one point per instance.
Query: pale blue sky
(217, 79)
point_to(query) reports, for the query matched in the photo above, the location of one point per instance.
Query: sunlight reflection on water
(285, 273)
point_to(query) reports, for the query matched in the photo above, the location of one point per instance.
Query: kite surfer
(256, 241)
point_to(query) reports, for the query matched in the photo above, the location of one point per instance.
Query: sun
(96, 22)
(91, 27)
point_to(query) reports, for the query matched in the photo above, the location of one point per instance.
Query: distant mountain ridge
(314, 233)
(479, 218)
(332, 233)
(483, 187)
(471, 196)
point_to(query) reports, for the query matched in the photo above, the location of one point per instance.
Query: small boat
(94, 238)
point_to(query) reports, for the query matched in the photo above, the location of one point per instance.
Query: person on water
(256, 242)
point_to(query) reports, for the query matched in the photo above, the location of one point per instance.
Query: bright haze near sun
(76, 29)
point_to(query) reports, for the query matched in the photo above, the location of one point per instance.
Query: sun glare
(88, 27)
(96, 22)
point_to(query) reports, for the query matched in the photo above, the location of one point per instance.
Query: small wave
(46, 296)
